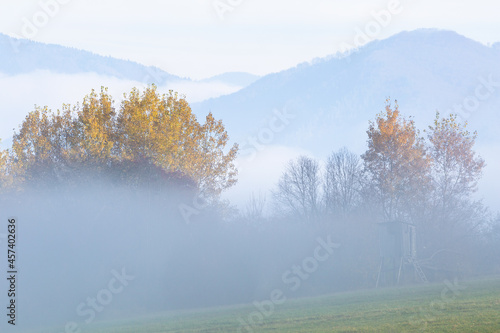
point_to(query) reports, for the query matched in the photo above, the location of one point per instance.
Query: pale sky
(189, 38)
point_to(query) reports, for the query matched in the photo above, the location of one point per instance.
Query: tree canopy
(395, 162)
(149, 132)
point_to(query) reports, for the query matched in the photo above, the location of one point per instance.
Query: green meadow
(449, 306)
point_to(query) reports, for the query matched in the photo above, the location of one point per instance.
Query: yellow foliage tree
(93, 136)
(395, 163)
(162, 129)
(212, 170)
(32, 146)
(5, 174)
(150, 131)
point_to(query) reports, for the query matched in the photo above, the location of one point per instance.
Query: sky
(202, 38)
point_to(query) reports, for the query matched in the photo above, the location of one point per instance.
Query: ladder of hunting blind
(418, 269)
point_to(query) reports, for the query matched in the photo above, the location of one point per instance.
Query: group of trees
(151, 137)
(403, 176)
(156, 139)
(307, 194)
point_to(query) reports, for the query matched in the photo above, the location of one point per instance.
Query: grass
(475, 307)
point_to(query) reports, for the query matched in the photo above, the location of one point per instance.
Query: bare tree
(298, 189)
(254, 210)
(342, 183)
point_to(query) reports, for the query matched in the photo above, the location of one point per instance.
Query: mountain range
(20, 56)
(333, 98)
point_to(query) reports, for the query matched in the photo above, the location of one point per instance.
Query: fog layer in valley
(73, 241)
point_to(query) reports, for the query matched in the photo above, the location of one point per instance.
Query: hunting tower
(398, 252)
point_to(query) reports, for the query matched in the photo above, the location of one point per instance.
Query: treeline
(151, 138)
(428, 181)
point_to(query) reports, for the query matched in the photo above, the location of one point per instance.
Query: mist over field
(73, 241)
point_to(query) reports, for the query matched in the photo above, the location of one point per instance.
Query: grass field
(450, 306)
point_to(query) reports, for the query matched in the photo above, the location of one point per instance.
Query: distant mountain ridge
(234, 78)
(21, 56)
(335, 97)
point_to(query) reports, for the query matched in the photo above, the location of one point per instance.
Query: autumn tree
(5, 173)
(343, 181)
(456, 170)
(396, 164)
(94, 132)
(62, 139)
(298, 189)
(161, 129)
(58, 146)
(150, 134)
(32, 147)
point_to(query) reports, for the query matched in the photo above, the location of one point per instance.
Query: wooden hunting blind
(398, 249)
